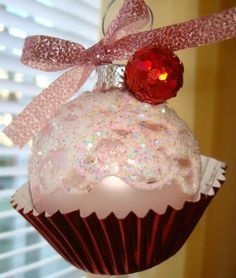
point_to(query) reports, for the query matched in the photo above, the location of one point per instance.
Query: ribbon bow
(120, 42)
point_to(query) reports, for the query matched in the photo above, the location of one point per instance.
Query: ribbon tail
(37, 114)
(193, 33)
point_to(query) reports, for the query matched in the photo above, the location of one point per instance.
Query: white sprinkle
(90, 145)
(115, 167)
(157, 142)
(131, 161)
(141, 116)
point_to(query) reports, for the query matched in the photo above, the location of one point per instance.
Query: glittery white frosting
(100, 134)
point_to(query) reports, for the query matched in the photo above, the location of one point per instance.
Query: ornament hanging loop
(108, 8)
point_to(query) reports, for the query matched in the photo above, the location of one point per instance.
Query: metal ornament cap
(110, 76)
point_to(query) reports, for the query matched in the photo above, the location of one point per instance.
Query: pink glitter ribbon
(120, 42)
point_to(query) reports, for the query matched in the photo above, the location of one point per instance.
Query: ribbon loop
(131, 18)
(49, 53)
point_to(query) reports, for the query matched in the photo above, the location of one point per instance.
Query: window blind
(23, 252)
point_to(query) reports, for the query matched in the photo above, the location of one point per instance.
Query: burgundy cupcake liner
(119, 246)
(116, 246)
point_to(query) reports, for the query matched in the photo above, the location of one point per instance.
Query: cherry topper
(154, 75)
(122, 39)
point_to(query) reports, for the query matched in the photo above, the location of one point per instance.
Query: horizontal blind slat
(30, 267)
(93, 4)
(30, 89)
(4, 151)
(61, 20)
(16, 232)
(10, 41)
(25, 88)
(13, 64)
(24, 250)
(75, 7)
(10, 107)
(7, 214)
(12, 171)
(63, 272)
(6, 193)
(11, 21)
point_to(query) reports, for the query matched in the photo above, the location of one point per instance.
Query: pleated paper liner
(120, 245)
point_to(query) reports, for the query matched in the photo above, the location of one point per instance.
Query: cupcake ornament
(116, 179)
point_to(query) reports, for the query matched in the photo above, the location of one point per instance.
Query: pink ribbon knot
(120, 42)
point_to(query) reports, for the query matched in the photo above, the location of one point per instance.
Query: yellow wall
(207, 103)
(211, 248)
(219, 257)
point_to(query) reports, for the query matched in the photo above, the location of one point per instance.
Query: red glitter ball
(154, 75)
